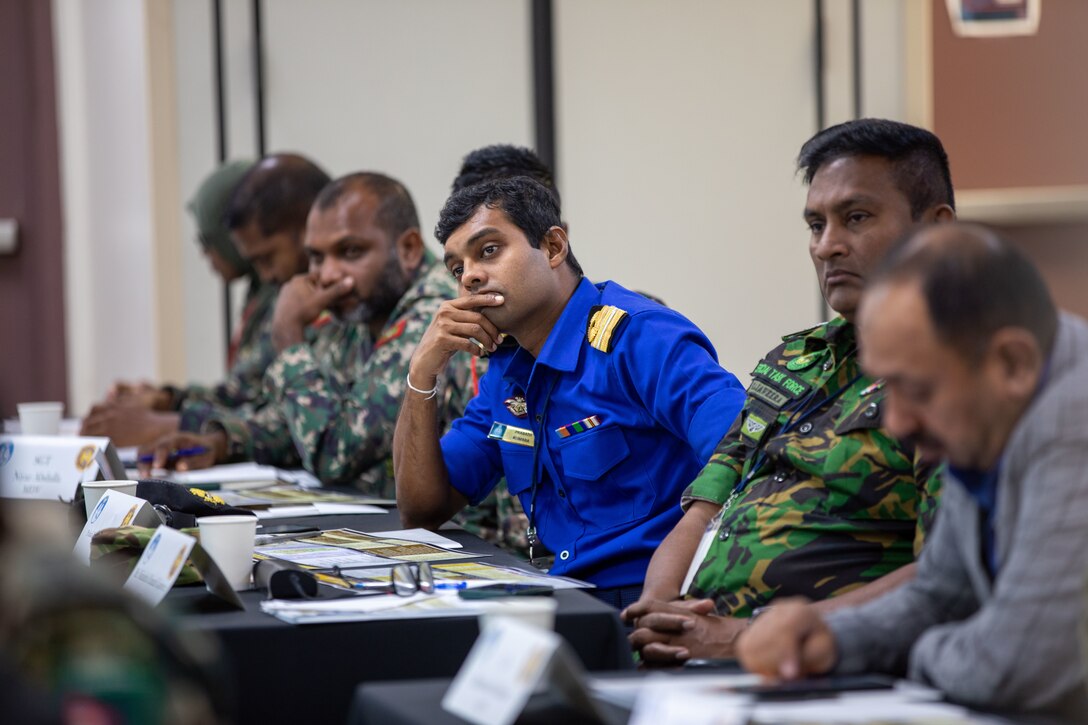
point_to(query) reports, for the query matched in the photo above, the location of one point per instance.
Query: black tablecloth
(420, 703)
(307, 673)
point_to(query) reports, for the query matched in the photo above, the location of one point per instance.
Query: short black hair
(503, 161)
(531, 206)
(974, 283)
(396, 210)
(276, 194)
(919, 160)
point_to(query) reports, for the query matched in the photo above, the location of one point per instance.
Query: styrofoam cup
(40, 419)
(93, 490)
(229, 542)
(534, 611)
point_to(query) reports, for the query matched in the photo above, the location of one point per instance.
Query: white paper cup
(229, 542)
(534, 611)
(93, 490)
(40, 419)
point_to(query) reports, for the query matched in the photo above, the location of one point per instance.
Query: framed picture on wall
(994, 18)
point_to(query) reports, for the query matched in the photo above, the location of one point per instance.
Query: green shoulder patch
(805, 361)
(606, 322)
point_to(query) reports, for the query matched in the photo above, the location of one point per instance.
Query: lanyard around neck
(538, 441)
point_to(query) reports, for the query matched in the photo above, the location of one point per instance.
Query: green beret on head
(209, 208)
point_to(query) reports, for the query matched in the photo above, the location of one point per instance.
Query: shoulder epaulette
(802, 333)
(605, 324)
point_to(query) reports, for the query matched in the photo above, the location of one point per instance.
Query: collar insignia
(516, 405)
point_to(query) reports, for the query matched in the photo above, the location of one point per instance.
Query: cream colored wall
(406, 88)
(679, 123)
(678, 126)
(108, 192)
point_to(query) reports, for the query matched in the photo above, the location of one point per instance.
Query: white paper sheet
(422, 536)
(318, 509)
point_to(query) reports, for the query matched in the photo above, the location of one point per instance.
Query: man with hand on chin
(598, 404)
(331, 405)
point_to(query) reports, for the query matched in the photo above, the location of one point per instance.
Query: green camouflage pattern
(244, 381)
(123, 546)
(98, 653)
(832, 505)
(331, 406)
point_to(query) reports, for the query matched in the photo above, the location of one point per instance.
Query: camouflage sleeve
(721, 473)
(929, 488)
(341, 434)
(260, 435)
(242, 386)
(244, 380)
(193, 414)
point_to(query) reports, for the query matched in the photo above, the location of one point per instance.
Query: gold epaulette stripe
(603, 325)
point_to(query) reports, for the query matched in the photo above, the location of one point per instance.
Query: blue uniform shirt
(620, 433)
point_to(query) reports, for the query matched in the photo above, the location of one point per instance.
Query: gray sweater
(1011, 643)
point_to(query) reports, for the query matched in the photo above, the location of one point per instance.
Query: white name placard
(509, 662)
(505, 665)
(52, 467)
(114, 509)
(159, 565)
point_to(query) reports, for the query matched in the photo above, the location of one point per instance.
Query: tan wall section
(1060, 250)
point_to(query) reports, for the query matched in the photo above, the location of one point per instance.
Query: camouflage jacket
(831, 500)
(253, 354)
(331, 405)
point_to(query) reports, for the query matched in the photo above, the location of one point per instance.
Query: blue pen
(179, 453)
(451, 585)
(383, 585)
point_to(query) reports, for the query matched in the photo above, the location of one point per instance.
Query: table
(288, 673)
(420, 703)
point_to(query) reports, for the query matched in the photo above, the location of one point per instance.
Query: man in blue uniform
(598, 404)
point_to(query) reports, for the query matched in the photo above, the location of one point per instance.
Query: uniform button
(539, 418)
(805, 428)
(564, 555)
(780, 477)
(827, 365)
(872, 410)
(562, 493)
(723, 535)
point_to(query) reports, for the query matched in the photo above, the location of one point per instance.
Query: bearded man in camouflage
(807, 495)
(330, 405)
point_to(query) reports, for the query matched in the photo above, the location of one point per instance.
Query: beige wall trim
(918, 30)
(1023, 205)
(165, 215)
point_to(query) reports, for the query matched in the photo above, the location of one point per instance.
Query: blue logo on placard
(98, 509)
(6, 450)
(153, 544)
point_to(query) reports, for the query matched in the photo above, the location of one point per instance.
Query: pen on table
(179, 453)
(385, 585)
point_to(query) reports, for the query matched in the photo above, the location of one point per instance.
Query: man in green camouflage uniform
(330, 405)
(807, 494)
(263, 206)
